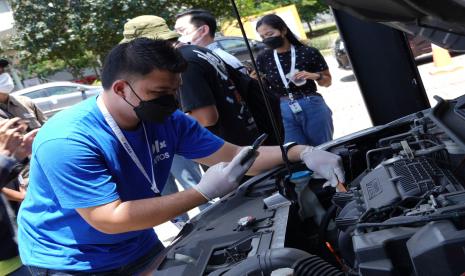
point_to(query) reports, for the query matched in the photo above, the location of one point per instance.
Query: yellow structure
(443, 62)
(288, 13)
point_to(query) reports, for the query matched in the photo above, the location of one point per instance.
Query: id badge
(295, 107)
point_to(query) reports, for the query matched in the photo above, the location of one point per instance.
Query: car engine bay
(403, 212)
(406, 208)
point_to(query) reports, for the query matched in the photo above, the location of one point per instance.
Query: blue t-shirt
(78, 162)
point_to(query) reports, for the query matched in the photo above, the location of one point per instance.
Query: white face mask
(188, 38)
(6, 83)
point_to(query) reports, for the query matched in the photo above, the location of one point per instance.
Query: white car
(53, 97)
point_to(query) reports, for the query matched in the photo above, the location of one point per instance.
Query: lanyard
(281, 71)
(124, 142)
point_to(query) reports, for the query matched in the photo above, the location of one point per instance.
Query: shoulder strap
(240, 80)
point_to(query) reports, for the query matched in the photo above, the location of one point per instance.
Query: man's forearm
(271, 156)
(119, 217)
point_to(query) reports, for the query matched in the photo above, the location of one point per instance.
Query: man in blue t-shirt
(97, 168)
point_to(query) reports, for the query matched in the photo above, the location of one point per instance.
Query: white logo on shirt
(159, 145)
(162, 157)
(215, 61)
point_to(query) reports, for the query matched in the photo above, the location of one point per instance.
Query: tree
(223, 9)
(218, 8)
(105, 19)
(78, 33)
(47, 31)
(308, 10)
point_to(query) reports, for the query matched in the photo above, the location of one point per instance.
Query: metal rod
(262, 87)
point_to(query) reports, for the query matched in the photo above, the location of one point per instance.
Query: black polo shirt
(307, 59)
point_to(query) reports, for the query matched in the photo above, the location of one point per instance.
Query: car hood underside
(441, 22)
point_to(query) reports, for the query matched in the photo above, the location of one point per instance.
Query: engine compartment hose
(276, 258)
(402, 221)
(315, 266)
(265, 263)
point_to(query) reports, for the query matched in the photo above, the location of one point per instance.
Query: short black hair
(201, 17)
(3, 63)
(140, 57)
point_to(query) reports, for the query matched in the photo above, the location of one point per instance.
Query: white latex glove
(326, 164)
(222, 178)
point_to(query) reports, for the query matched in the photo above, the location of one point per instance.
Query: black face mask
(156, 110)
(274, 42)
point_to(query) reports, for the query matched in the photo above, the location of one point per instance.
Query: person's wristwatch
(288, 146)
(320, 76)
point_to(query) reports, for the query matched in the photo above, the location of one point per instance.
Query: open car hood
(441, 22)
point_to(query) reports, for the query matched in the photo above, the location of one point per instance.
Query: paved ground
(349, 112)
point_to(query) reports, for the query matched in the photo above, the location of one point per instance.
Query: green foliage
(45, 68)
(324, 42)
(47, 31)
(220, 8)
(307, 9)
(103, 20)
(324, 29)
(223, 9)
(79, 33)
(76, 32)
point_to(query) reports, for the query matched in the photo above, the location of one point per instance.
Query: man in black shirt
(207, 92)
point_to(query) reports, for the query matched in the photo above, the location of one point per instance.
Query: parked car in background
(236, 46)
(55, 96)
(420, 47)
(86, 80)
(341, 55)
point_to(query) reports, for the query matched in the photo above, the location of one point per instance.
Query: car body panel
(55, 96)
(441, 22)
(236, 46)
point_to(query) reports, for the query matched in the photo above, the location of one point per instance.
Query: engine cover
(390, 183)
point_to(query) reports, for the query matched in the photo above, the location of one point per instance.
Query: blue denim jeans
(187, 172)
(21, 271)
(312, 126)
(142, 264)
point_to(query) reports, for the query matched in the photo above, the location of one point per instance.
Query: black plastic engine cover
(383, 252)
(378, 189)
(434, 249)
(439, 247)
(404, 178)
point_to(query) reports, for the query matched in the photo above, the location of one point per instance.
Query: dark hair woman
(292, 70)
